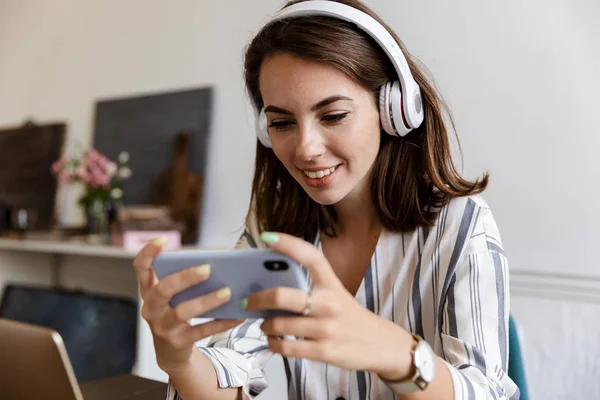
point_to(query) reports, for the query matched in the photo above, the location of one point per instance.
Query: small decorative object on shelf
(135, 226)
(103, 183)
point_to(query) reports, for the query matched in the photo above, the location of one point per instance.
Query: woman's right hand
(174, 337)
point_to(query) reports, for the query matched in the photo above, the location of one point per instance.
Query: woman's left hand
(338, 330)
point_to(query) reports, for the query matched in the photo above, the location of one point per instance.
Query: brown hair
(412, 176)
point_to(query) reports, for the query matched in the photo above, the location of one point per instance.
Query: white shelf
(65, 247)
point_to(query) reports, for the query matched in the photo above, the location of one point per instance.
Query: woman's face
(323, 126)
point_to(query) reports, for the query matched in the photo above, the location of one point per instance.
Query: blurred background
(145, 102)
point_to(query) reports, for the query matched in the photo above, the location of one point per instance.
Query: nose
(309, 142)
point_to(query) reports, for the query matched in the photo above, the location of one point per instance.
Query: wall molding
(555, 286)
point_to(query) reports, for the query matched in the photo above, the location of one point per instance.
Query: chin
(324, 199)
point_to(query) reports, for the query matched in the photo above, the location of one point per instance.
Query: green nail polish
(244, 303)
(269, 237)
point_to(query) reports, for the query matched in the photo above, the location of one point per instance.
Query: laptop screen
(99, 332)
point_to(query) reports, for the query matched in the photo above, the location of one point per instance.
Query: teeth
(319, 174)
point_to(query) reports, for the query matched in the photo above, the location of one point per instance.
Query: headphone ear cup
(384, 109)
(397, 119)
(262, 131)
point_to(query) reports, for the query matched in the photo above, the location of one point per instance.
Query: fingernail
(159, 241)
(224, 293)
(203, 270)
(244, 303)
(269, 237)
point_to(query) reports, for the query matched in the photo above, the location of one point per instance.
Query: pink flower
(98, 177)
(96, 172)
(82, 174)
(102, 162)
(87, 162)
(93, 182)
(93, 155)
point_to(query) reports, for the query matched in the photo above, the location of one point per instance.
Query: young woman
(409, 281)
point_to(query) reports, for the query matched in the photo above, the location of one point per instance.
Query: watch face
(425, 361)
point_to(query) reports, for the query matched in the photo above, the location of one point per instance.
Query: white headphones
(400, 104)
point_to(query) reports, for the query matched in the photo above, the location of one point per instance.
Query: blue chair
(516, 367)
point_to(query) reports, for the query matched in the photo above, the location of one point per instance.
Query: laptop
(34, 364)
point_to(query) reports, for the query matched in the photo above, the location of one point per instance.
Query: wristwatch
(423, 363)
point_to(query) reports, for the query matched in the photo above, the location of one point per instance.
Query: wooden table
(124, 387)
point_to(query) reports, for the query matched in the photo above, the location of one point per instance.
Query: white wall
(57, 58)
(520, 77)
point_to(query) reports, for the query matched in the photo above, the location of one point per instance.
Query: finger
(313, 328)
(304, 253)
(309, 349)
(142, 263)
(294, 300)
(197, 307)
(279, 298)
(172, 284)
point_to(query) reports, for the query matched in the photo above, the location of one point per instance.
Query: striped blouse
(447, 283)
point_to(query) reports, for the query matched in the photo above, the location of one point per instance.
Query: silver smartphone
(245, 271)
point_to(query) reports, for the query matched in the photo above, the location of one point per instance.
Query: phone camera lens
(276, 265)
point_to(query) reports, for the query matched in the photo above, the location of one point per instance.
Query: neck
(357, 215)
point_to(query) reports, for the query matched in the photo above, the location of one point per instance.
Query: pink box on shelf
(135, 240)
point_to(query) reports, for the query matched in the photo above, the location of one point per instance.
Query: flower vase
(98, 222)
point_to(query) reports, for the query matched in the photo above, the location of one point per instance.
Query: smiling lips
(319, 174)
(320, 178)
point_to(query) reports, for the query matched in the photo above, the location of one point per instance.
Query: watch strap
(415, 383)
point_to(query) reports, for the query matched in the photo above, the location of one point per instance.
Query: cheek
(375, 134)
(284, 152)
(366, 145)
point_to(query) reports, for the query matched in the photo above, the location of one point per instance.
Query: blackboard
(26, 182)
(145, 126)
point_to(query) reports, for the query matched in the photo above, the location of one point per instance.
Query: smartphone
(245, 271)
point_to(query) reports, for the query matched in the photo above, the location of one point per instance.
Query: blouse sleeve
(475, 325)
(239, 354)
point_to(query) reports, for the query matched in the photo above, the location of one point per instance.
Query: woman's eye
(280, 125)
(333, 118)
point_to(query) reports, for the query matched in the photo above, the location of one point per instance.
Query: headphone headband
(410, 89)
(400, 104)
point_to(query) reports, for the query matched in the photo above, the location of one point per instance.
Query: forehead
(289, 79)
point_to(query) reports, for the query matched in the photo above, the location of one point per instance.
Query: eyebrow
(325, 102)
